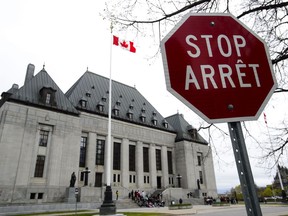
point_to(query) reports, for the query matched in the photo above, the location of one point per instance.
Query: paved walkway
(207, 210)
(267, 210)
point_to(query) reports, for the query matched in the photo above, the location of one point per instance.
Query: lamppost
(86, 172)
(179, 180)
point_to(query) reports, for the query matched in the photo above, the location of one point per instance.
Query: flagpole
(109, 145)
(108, 207)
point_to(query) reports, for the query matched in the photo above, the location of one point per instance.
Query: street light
(86, 171)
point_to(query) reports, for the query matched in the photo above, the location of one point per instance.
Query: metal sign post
(76, 197)
(244, 170)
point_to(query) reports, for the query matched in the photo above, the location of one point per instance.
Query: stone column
(139, 164)
(91, 157)
(152, 166)
(125, 163)
(164, 163)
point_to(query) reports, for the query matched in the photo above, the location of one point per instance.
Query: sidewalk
(165, 210)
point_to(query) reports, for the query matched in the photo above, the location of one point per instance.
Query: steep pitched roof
(184, 130)
(94, 89)
(29, 94)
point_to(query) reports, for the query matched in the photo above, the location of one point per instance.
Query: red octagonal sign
(218, 67)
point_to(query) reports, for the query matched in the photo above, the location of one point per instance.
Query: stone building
(46, 135)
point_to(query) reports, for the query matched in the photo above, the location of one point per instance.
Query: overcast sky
(70, 36)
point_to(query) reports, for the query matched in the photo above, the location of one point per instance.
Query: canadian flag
(128, 45)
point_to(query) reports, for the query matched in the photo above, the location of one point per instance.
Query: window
(170, 164)
(32, 195)
(165, 124)
(158, 159)
(83, 145)
(145, 159)
(83, 103)
(132, 158)
(117, 156)
(132, 178)
(146, 179)
(130, 115)
(143, 110)
(98, 179)
(40, 195)
(201, 177)
(43, 138)
(104, 98)
(171, 182)
(100, 107)
(143, 118)
(116, 111)
(100, 152)
(48, 98)
(199, 158)
(116, 177)
(154, 119)
(39, 168)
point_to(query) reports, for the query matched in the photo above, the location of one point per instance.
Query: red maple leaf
(124, 44)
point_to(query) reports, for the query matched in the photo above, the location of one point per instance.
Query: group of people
(145, 200)
(189, 195)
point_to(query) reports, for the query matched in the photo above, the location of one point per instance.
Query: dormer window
(47, 96)
(143, 110)
(130, 114)
(100, 107)
(165, 124)
(143, 118)
(118, 103)
(88, 94)
(83, 103)
(116, 110)
(131, 106)
(154, 120)
(104, 99)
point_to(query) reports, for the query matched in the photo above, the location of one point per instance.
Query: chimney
(29, 73)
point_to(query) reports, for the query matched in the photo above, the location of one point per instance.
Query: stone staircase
(125, 204)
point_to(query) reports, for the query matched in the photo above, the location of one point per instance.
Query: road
(240, 210)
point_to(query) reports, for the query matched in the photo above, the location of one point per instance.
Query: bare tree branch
(165, 16)
(265, 7)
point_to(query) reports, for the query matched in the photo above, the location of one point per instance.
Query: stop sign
(218, 67)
